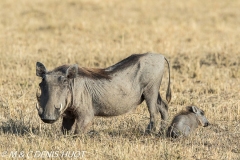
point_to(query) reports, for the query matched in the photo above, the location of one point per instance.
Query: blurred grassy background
(200, 38)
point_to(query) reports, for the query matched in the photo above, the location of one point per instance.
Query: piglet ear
(72, 71)
(194, 109)
(191, 109)
(40, 69)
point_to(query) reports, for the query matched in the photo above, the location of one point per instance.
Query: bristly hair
(187, 110)
(94, 73)
(183, 112)
(125, 63)
(84, 72)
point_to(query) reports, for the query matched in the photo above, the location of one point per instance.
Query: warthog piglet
(186, 122)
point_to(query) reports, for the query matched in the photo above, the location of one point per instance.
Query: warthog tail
(168, 94)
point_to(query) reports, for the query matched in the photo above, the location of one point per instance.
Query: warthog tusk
(39, 109)
(37, 106)
(60, 108)
(38, 93)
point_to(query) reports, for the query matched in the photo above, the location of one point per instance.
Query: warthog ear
(72, 71)
(40, 69)
(191, 109)
(194, 109)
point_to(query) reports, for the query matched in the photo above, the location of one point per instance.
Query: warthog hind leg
(163, 109)
(151, 97)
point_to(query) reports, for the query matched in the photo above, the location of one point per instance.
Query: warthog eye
(65, 81)
(43, 79)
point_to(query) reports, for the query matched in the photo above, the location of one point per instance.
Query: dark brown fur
(131, 60)
(97, 73)
(185, 112)
(94, 73)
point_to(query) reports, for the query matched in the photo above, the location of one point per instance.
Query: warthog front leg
(82, 123)
(67, 124)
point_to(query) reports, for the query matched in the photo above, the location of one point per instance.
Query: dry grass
(200, 38)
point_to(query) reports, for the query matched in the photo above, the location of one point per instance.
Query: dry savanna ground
(200, 39)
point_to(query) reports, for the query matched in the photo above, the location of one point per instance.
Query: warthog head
(55, 92)
(199, 114)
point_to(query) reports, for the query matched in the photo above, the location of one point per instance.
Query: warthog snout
(48, 120)
(46, 117)
(206, 124)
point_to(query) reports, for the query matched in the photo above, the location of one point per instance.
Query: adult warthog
(79, 94)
